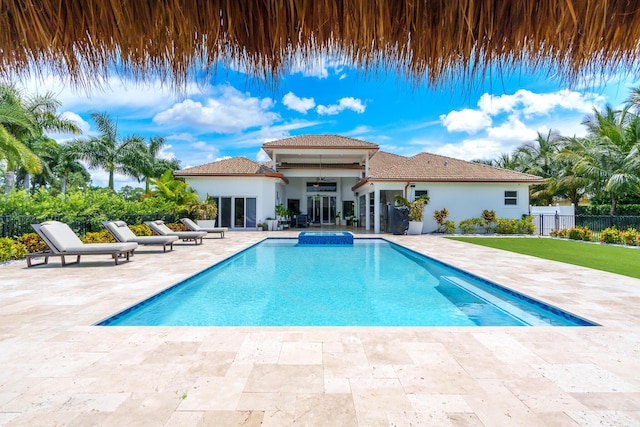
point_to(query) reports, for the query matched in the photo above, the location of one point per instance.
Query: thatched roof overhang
(426, 40)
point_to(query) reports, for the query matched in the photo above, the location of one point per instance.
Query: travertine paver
(57, 369)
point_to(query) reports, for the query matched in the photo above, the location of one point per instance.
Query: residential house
(326, 175)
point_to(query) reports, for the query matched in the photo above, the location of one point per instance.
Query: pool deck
(58, 370)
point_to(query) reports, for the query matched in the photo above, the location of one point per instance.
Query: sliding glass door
(321, 209)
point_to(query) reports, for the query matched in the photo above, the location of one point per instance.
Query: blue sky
(232, 114)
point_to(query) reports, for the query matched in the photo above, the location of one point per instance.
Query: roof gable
(319, 141)
(235, 166)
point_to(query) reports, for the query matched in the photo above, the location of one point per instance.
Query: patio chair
(122, 233)
(62, 242)
(195, 227)
(159, 227)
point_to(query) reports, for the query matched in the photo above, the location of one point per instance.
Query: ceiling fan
(320, 178)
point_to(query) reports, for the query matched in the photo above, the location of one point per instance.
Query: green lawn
(615, 259)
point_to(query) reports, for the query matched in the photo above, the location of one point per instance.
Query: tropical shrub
(579, 233)
(525, 225)
(449, 227)
(564, 233)
(141, 230)
(505, 226)
(440, 217)
(10, 249)
(610, 235)
(32, 242)
(489, 217)
(102, 236)
(470, 225)
(416, 208)
(177, 226)
(630, 237)
(206, 209)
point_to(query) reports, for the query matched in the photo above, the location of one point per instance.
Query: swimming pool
(370, 283)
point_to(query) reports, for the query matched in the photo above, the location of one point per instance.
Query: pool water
(370, 283)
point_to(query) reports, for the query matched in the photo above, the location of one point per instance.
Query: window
(419, 193)
(314, 187)
(510, 198)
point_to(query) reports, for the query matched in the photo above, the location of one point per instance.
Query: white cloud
(512, 130)
(79, 121)
(228, 111)
(467, 120)
(301, 105)
(471, 149)
(115, 92)
(347, 103)
(314, 66)
(541, 104)
(261, 156)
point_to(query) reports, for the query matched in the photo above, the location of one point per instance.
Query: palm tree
(152, 166)
(174, 190)
(538, 158)
(67, 163)
(106, 151)
(569, 183)
(23, 123)
(15, 126)
(610, 156)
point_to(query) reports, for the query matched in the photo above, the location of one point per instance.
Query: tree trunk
(9, 181)
(27, 181)
(63, 184)
(111, 180)
(614, 205)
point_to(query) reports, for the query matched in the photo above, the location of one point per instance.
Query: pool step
(325, 238)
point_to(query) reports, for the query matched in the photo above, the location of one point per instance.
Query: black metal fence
(547, 223)
(17, 225)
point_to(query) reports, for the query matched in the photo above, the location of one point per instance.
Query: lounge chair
(195, 227)
(159, 227)
(62, 242)
(122, 233)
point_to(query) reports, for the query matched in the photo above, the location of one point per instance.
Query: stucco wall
(263, 189)
(468, 200)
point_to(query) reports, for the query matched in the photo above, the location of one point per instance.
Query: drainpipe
(406, 196)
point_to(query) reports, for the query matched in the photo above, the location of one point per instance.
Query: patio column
(376, 211)
(273, 160)
(367, 212)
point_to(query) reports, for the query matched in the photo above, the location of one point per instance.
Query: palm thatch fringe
(433, 40)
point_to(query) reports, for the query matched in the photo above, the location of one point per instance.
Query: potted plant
(338, 219)
(272, 224)
(416, 210)
(205, 212)
(281, 211)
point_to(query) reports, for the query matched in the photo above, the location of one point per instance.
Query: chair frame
(196, 238)
(218, 230)
(164, 244)
(115, 254)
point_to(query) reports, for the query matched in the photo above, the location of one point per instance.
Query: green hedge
(631, 210)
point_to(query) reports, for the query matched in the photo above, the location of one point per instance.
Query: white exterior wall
(262, 188)
(468, 200)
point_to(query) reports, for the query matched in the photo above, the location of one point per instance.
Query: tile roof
(319, 141)
(234, 166)
(433, 167)
(383, 160)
